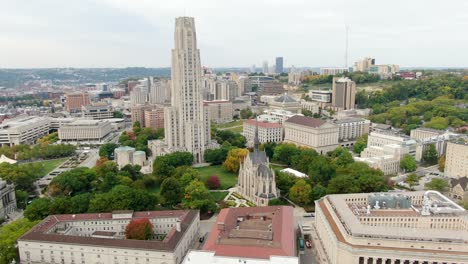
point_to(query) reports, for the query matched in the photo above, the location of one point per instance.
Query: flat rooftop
(253, 232)
(43, 232)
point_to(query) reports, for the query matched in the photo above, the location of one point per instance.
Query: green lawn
(230, 124)
(239, 129)
(50, 165)
(228, 179)
(218, 196)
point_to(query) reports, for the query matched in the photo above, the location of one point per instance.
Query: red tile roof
(39, 232)
(253, 122)
(306, 121)
(282, 244)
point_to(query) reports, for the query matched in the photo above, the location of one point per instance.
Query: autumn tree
(234, 159)
(300, 192)
(213, 182)
(197, 196)
(442, 163)
(139, 229)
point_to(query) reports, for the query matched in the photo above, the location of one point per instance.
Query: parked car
(308, 215)
(308, 244)
(201, 239)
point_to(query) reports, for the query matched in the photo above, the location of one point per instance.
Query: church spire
(256, 141)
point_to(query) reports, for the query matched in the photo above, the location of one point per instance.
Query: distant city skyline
(128, 33)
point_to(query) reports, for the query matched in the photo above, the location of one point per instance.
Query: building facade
(154, 117)
(267, 131)
(459, 189)
(74, 101)
(256, 179)
(310, 132)
(351, 129)
(100, 238)
(391, 228)
(97, 112)
(85, 131)
(186, 121)
(333, 71)
(456, 159)
(343, 93)
(7, 199)
(219, 111)
(24, 130)
(279, 65)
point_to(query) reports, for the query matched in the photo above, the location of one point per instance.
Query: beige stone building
(391, 228)
(256, 179)
(350, 129)
(23, 130)
(138, 113)
(85, 131)
(343, 93)
(100, 238)
(97, 111)
(459, 189)
(456, 159)
(267, 131)
(7, 199)
(310, 132)
(219, 111)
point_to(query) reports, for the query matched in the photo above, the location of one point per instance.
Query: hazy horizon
(122, 33)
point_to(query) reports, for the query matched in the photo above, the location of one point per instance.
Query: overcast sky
(123, 33)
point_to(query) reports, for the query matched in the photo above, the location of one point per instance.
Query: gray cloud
(119, 33)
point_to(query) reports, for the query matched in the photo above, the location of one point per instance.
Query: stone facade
(7, 199)
(219, 111)
(90, 131)
(456, 159)
(267, 131)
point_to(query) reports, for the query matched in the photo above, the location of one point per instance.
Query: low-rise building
(263, 235)
(389, 228)
(97, 111)
(313, 107)
(459, 189)
(128, 156)
(351, 129)
(456, 159)
(322, 96)
(7, 199)
(285, 102)
(310, 132)
(333, 70)
(267, 131)
(85, 131)
(23, 130)
(219, 111)
(100, 238)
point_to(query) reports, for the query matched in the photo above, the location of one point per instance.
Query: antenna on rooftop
(346, 49)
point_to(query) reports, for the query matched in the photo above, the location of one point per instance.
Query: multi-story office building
(279, 65)
(427, 136)
(456, 159)
(100, 238)
(364, 64)
(154, 117)
(219, 111)
(139, 95)
(333, 71)
(265, 67)
(158, 92)
(97, 111)
(85, 131)
(323, 96)
(244, 85)
(313, 107)
(23, 130)
(384, 71)
(186, 121)
(138, 113)
(391, 228)
(385, 149)
(270, 88)
(350, 129)
(260, 235)
(74, 101)
(343, 93)
(7, 199)
(267, 131)
(310, 132)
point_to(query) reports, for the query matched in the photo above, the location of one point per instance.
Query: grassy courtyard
(49, 165)
(228, 179)
(218, 196)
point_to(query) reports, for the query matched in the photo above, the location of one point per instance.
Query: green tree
(269, 148)
(361, 144)
(284, 181)
(72, 182)
(437, 123)
(9, 234)
(285, 152)
(300, 192)
(217, 156)
(342, 184)
(341, 157)
(164, 166)
(321, 170)
(246, 113)
(171, 193)
(38, 209)
(123, 198)
(318, 192)
(107, 150)
(412, 180)
(408, 163)
(436, 184)
(117, 114)
(21, 199)
(429, 155)
(302, 161)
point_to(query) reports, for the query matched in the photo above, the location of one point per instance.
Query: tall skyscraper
(265, 67)
(279, 65)
(343, 93)
(186, 121)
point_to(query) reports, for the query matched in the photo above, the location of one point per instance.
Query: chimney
(221, 226)
(178, 228)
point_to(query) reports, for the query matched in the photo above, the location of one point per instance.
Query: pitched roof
(261, 124)
(306, 121)
(462, 181)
